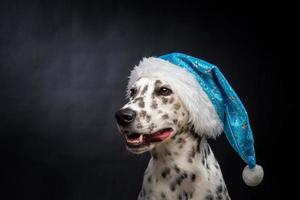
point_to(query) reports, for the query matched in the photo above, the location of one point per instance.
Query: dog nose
(125, 116)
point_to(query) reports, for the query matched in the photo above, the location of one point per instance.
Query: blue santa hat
(212, 103)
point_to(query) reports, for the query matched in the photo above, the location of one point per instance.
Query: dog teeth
(138, 140)
(141, 138)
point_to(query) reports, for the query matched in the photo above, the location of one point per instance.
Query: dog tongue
(159, 136)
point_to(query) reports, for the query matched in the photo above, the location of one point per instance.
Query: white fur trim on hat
(201, 111)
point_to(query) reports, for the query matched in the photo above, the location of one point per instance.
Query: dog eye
(133, 92)
(164, 91)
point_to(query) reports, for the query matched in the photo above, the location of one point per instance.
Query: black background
(63, 73)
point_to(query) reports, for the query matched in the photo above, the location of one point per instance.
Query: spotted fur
(182, 167)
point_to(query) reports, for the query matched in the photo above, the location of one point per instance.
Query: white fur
(201, 111)
(207, 180)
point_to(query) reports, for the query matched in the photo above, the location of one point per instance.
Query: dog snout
(125, 116)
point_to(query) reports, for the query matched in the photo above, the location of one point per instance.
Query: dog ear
(201, 111)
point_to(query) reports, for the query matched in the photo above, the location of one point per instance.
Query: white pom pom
(253, 177)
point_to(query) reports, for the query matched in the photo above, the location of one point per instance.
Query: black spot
(193, 177)
(177, 170)
(220, 189)
(148, 118)
(163, 195)
(133, 92)
(165, 172)
(205, 154)
(194, 134)
(175, 121)
(149, 179)
(154, 104)
(138, 99)
(157, 83)
(139, 126)
(168, 153)
(216, 166)
(179, 180)
(207, 166)
(180, 141)
(208, 150)
(164, 100)
(165, 116)
(144, 90)
(177, 106)
(209, 197)
(151, 127)
(171, 100)
(203, 160)
(198, 144)
(172, 187)
(193, 153)
(143, 113)
(141, 104)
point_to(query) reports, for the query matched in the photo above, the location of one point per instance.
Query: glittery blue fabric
(226, 102)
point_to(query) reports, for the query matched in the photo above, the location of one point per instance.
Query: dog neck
(184, 165)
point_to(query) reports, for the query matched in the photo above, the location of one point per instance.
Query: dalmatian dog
(182, 164)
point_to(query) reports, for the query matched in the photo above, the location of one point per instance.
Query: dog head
(163, 98)
(152, 116)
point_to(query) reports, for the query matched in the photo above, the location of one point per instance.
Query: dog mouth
(137, 140)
